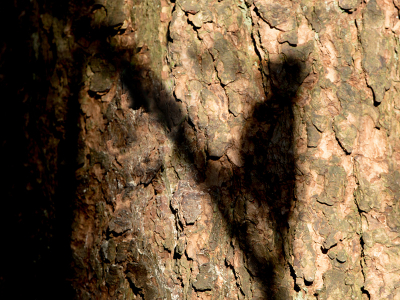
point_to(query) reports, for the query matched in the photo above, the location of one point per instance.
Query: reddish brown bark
(202, 149)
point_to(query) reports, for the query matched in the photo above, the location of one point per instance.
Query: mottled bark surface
(204, 149)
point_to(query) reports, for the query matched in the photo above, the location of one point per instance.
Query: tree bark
(204, 149)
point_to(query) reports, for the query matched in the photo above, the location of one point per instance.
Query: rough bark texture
(205, 149)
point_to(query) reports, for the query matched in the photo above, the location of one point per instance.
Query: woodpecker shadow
(256, 198)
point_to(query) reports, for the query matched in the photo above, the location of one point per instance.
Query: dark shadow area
(40, 184)
(39, 146)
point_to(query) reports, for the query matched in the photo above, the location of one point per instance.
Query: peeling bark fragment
(227, 66)
(114, 276)
(188, 202)
(142, 281)
(274, 12)
(335, 287)
(227, 62)
(373, 16)
(368, 196)
(321, 14)
(376, 44)
(321, 122)
(116, 14)
(375, 64)
(103, 72)
(350, 102)
(108, 251)
(341, 256)
(138, 274)
(122, 252)
(215, 103)
(100, 83)
(191, 208)
(304, 254)
(345, 133)
(313, 136)
(349, 5)
(235, 102)
(393, 212)
(207, 67)
(218, 141)
(291, 37)
(335, 185)
(200, 18)
(190, 6)
(205, 278)
(329, 242)
(347, 94)
(121, 222)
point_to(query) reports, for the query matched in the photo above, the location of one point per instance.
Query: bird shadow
(254, 198)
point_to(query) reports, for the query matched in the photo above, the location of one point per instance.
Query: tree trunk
(203, 149)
